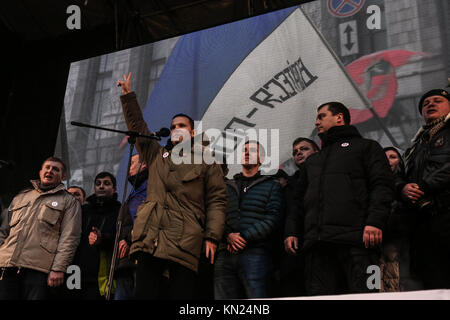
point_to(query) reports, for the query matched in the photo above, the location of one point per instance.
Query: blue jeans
(125, 288)
(243, 275)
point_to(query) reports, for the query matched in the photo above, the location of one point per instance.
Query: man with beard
(426, 191)
(138, 178)
(184, 210)
(344, 194)
(98, 234)
(39, 240)
(244, 263)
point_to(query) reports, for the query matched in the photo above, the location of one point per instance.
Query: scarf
(430, 129)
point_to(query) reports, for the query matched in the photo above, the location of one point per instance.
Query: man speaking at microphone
(184, 210)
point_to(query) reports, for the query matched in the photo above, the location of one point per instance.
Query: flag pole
(368, 105)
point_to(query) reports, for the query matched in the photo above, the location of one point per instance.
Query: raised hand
(125, 84)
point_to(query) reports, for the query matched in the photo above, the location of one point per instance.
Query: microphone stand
(132, 141)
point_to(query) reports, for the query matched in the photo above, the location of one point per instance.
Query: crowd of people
(188, 232)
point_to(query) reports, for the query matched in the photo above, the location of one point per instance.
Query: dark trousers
(431, 251)
(90, 291)
(205, 279)
(338, 269)
(149, 284)
(125, 287)
(23, 284)
(292, 279)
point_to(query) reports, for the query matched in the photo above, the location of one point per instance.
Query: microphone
(79, 124)
(163, 132)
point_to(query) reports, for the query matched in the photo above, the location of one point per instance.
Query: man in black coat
(97, 239)
(426, 191)
(343, 200)
(292, 264)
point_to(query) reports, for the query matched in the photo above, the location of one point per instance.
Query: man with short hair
(184, 210)
(97, 239)
(426, 190)
(344, 194)
(244, 263)
(40, 240)
(124, 274)
(302, 148)
(78, 193)
(292, 263)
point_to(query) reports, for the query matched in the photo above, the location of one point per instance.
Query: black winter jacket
(293, 225)
(257, 216)
(102, 215)
(343, 188)
(428, 164)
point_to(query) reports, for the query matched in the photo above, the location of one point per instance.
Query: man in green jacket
(183, 212)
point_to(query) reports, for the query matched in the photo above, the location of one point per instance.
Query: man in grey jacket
(40, 239)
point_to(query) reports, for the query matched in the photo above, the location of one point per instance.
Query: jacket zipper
(233, 184)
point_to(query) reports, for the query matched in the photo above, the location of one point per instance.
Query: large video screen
(266, 74)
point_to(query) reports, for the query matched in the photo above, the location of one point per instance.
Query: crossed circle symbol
(340, 8)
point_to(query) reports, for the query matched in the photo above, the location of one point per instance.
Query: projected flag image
(268, 72)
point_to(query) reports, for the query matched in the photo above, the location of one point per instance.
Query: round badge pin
(54, 203)
(165, 155)
(345, 144)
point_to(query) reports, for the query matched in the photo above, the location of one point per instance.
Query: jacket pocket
(49, 218)
(17, 213)
(192, 187)
(142, 221)
(173, 224)
(191, 175)
(192, 237)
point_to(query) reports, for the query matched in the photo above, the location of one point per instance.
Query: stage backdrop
(269, 72)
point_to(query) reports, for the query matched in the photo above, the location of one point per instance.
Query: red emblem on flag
(375, 76)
